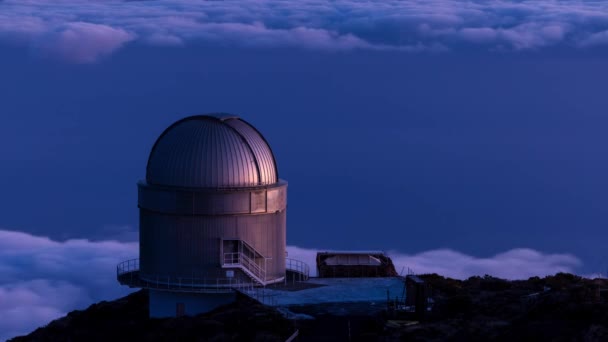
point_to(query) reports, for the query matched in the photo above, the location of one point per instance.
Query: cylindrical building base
(175, 304)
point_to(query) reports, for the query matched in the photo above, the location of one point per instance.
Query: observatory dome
(211, 151)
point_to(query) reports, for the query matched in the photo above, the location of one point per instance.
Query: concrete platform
(331, 290)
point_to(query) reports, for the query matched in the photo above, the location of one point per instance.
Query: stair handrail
(247, 263)
(241, 259)
(255, 251)
(238, 259)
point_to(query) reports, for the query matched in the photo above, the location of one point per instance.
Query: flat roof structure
(354, 264)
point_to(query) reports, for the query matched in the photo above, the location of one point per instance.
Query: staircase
(248, 260)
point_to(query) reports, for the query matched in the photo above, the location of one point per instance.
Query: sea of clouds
(84, 31)
(42, 279)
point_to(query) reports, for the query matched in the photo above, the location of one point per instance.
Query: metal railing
(198, 285)
(251, 267)
(262, 295)
(128, 273)
(194, 284)
(299, 267)
(246, 258)
(127, 266)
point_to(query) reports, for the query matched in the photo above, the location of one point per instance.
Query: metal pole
(349, 337)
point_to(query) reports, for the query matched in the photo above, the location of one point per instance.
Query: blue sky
(442, 131)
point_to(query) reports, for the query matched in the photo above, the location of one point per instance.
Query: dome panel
(259, 147)
(211, 152)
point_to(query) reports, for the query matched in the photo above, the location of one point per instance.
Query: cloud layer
(42, 279)
(84, 30)
(82, 42)
(519, 263)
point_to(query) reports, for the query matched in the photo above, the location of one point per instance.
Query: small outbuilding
(354, 264)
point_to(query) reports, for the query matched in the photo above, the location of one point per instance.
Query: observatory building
(212, 216)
